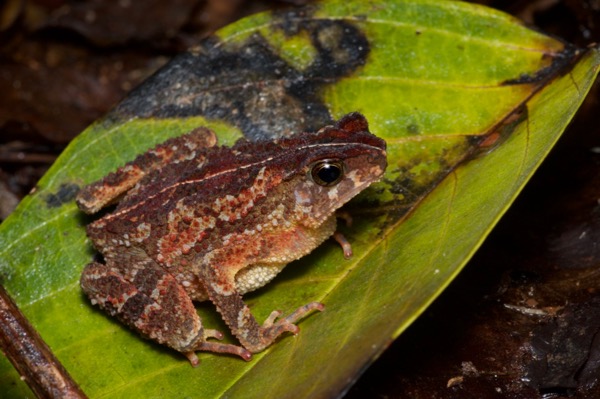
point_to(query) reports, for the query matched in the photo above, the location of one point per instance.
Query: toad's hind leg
(254, 337)
(153, 303)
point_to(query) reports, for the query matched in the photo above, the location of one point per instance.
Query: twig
(30, 355)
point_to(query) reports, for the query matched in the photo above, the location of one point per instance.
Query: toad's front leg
(221, 289)
(153, 303)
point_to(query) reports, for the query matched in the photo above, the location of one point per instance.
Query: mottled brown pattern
(200, 222)
(94, 197)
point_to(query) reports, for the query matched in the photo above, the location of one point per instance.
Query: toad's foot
(344, 243)
(215, 347)
(253, 336)
(272, 328)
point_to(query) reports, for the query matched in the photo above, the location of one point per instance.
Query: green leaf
(469, 101)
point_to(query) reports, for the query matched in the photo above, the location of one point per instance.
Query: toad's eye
(327, 172)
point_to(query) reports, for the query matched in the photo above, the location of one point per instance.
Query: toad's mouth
(337, 200)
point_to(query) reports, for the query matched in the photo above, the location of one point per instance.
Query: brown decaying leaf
(65, 64)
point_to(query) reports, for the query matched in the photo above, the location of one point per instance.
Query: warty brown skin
(195, 221)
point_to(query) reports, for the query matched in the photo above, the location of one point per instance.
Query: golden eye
(327, 172)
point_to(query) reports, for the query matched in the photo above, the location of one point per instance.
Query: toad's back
(224, 197)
